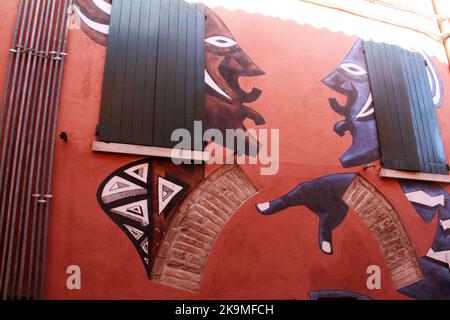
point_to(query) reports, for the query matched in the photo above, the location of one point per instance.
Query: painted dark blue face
(351, 80)
(427, 199)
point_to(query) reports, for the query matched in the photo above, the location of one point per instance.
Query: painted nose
(249, 68)
(331, 80)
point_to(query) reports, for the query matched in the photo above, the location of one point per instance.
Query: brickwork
(182, 255)
(384, 223)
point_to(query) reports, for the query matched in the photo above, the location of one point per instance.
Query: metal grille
(27, 137)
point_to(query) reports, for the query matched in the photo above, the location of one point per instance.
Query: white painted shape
(103, 5)
(99, 27)
(263, 206)
(326, 246)
(144, 246)
(136, 233)
(432, 76)
(124, 211)
(364, 112)
(220, 41)
(143, 166)
(210, 82)
(424, 198)
(349, 66)
(445, 224)
(112, 186)
(443, 256)
(164, 202)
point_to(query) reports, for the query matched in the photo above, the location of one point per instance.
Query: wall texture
(232, 233)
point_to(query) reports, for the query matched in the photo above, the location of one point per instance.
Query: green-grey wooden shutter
(405, 113)
(154, 71)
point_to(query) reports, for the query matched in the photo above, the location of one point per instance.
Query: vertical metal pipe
(52, 150)
(7, 105)
(33, 146)
(15, 144)
(48, 127)
(8, 145)
(38, 190)
(16, 163)
(18, 154)
(12, 54)
(26, 99)
(23, 221)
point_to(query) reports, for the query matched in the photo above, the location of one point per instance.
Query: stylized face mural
(225, 63)
(350, 79)
(93, 18)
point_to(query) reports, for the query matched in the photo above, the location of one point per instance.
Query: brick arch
(197, 222)
(385, 224)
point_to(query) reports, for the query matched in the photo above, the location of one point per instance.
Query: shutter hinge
(97, 129)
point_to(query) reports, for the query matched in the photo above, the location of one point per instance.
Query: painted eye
(353, 69)
(219, 41)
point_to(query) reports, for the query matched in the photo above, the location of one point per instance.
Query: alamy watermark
(250, 146)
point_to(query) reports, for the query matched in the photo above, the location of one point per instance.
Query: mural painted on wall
(351, 80)
(140, 197)
(225, 62)
(424, 279)
(329, 207)
(93, 16)
(429, 199)
(338, 193)
(337, 294)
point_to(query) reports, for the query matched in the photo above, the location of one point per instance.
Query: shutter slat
(436, 161)
(150, 74)
(180, 79)
(154, 81)
(132, 73)
(161, 73)
(141, 67)
(190, 67)
(120, 69)
(200, 70)
(171, 74)
(404, 110)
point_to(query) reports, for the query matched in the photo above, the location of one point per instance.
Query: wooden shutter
(405, 113)
(154, 73)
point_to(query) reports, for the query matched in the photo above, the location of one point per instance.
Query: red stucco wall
(254, 256)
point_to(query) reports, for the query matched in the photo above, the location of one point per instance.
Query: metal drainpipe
(442, 11)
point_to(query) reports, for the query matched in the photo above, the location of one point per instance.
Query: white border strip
(148, 151)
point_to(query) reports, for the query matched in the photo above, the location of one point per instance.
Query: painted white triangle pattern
(139, 171)
(137, 211)
(144, 245)
(136, 233)
(117, 184)
(166, 191)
